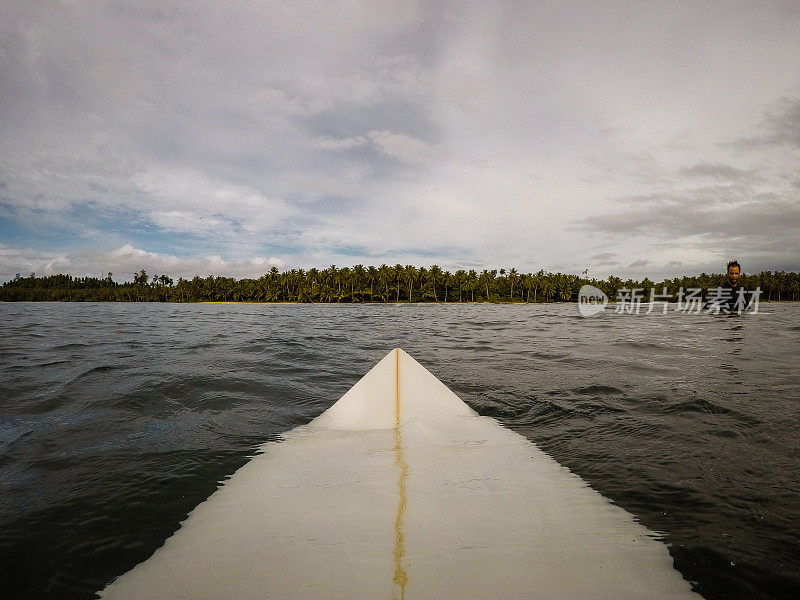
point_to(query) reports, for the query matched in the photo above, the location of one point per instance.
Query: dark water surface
(117, 419)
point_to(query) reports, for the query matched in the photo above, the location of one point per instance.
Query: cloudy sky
(633, 138)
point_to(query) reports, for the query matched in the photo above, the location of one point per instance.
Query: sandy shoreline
(367, 303)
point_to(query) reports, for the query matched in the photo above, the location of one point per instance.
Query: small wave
(595, 408)
(723, 433)
(546, 355)
(502, 412)
(97, 369)
(12, 432)
(636, 428)
(698, 405)
(595, 390)
(640, 345)
(545, 412)
(571, 360)
(69, 346)
(52, 363)
(483, 323)
(650, 367)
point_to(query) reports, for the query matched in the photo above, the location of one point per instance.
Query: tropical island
(381, 284)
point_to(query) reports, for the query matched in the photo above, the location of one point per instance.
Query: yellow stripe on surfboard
(400, 576)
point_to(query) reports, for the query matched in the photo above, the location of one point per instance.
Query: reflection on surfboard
(400, 490)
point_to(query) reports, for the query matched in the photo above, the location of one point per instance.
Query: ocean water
(116, 420)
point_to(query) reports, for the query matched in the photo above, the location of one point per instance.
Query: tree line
(399, 283)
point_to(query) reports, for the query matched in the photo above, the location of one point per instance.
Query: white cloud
(329, 143)
(186, 222)
(388, 143)
(401, 146)
(272, 99)
(189, 202)
(126, 260)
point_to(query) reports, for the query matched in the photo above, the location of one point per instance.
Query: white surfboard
(400, 490)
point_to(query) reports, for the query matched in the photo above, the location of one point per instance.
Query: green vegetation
(369, 284)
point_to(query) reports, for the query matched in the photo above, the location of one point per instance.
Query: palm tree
(512, 279)
(410, 275)
(781, 282)
(547, 289)
(434, 275)
(285, 280)
(298, 277)
(398, 279)
(346, 279)
(372, 279)
(358, 280)
(472, 283)
(614, 284)
(274, 282)
(385, 277)
(460, 279)
(487, 279)
(423, 280)
(447, 278)
(794, 286)
(563, 288)
(311, 280)
(304, 291)
(525, 281)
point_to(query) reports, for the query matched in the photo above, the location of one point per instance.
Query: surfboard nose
(395, 390)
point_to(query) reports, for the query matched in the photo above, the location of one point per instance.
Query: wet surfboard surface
(400, 490)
